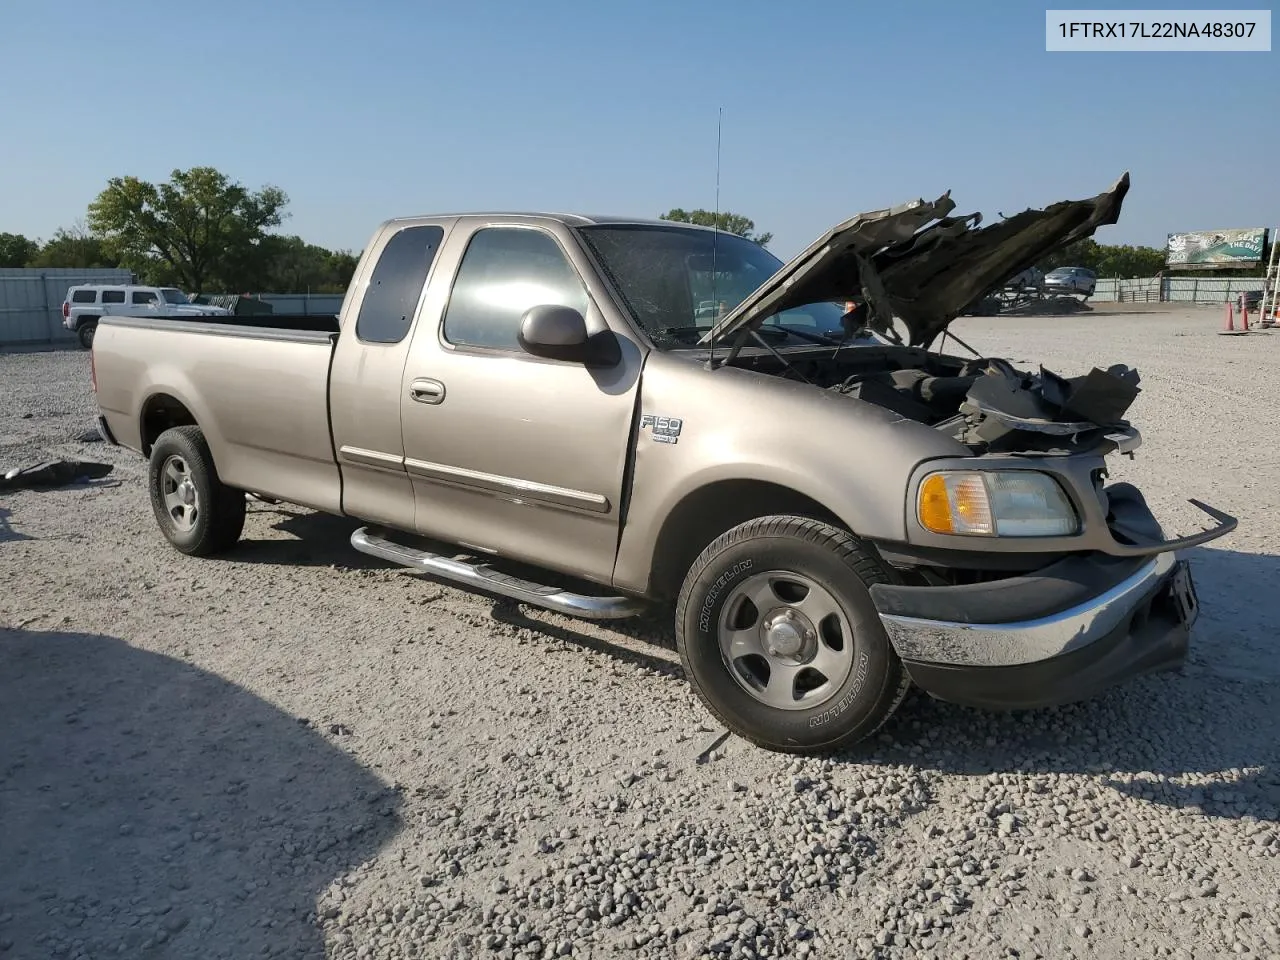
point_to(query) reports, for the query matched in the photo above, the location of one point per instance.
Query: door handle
(426, 391)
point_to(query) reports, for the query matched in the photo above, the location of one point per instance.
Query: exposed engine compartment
(985, 403)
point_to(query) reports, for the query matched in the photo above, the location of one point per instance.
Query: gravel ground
(296, 751)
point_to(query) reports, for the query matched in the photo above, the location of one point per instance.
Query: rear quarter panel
(261, 401)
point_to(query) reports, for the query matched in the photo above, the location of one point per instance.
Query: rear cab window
(84, 296)
(386, 312)
(113, 296)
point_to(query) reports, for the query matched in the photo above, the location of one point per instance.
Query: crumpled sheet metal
(919, 264)
(1050, 404)
(930, 285)
(821, 271)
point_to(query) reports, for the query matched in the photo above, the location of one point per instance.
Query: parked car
(1072, 280)
(831, 515)
(1251, 298)
(86, 304)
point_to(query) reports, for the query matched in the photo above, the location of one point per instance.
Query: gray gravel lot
(295, 751)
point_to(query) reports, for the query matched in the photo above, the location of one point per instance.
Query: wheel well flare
(709, 511)
(160, 413)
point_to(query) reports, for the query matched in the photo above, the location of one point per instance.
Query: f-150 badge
(662, 429)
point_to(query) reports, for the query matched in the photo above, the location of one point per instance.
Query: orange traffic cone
(1229, 328)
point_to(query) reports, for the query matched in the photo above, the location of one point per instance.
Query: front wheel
(779, 636)
(196, 511)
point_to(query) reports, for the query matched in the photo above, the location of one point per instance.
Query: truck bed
(265, 411)
(305, 322)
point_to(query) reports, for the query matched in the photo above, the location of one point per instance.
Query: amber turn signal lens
(935, 509)
(956, 503)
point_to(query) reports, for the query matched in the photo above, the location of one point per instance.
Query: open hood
(917, 263)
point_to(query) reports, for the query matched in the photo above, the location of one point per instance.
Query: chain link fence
(1175, 289)
(31, 302)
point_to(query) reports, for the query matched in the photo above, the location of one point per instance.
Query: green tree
(342, 267)
(16, 250)
(728, 222)
(197, 228)
(73, 246)
(288, 264)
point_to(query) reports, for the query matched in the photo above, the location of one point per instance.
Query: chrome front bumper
(1101, 624)
(979, 644)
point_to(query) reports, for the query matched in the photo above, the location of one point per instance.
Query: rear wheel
(196, 511)
(86, 331)
(780, 638)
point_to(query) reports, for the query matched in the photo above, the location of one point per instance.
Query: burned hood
(918, 263)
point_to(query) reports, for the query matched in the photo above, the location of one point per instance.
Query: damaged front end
(1025, 579)
(918, 265)
(1028, 580)
(1063, 628)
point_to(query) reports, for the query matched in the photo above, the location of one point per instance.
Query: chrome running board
(484, 577)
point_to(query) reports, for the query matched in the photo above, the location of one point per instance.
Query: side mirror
(560, 333)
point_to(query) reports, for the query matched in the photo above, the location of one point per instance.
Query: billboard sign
(1217, 248)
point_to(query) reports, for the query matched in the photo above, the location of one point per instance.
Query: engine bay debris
(992, 406)
(1045, 403)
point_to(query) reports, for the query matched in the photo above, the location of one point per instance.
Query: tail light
(93, 371)
(66, 309)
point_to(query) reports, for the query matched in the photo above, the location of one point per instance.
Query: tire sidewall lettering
(705, 612)
(855, 688)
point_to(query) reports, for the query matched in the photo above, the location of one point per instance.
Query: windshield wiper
(779, 333)
(773, 331)
(683, 332)
(820, 338)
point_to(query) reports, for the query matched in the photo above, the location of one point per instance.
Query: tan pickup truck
(653, 412)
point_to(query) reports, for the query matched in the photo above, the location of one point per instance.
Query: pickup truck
(832, 507)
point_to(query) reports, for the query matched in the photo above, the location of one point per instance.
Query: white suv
(86, 304)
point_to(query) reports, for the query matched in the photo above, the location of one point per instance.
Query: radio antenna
(715, 304)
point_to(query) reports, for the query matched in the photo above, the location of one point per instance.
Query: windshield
(666, 278)
(174, 296)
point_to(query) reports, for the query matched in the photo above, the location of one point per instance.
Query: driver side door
(511, 454)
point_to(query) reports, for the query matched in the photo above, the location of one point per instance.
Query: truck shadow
(154, 809)
(313, 540)
(1159, 738)
(646, 629)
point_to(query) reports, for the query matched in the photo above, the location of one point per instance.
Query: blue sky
(366, 111)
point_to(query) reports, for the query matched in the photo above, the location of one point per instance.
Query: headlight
(1014, 503)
